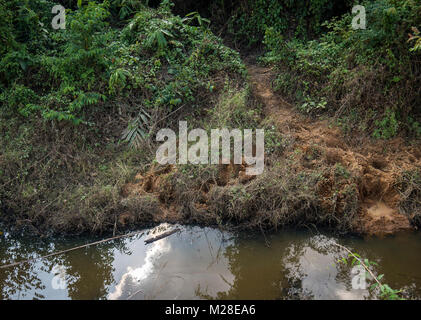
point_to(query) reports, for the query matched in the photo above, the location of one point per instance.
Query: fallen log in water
(161, 236)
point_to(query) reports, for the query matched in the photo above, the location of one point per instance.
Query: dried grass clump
(276, 198)
(142, 208)
(85, 209)
(187, 189)
(409, 187)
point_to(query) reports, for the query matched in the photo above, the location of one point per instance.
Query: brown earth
(374, 165)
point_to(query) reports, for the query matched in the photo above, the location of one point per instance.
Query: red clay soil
(377, 164)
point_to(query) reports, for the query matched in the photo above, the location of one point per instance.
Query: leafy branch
(415, 37)
(386, 292)
(203, 22)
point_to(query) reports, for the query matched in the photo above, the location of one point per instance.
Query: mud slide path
(376, 164)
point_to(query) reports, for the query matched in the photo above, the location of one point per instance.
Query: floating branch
(161, 236)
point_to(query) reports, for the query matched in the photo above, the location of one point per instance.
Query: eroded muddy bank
(315, 176)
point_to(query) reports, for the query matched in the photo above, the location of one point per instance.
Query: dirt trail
(376, 165)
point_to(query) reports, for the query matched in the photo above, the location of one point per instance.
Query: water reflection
(175, 267)
(295, 266)
(204, 263)
(87, 272)
(136, 277)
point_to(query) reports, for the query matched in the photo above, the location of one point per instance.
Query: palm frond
(137, 130)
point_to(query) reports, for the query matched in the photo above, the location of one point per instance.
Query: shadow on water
(205, 263)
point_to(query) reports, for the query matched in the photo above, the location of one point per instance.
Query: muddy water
(204, 263)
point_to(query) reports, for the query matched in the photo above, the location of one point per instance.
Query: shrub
(355, 71)
(69, 96)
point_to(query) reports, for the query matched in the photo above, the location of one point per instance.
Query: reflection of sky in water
(28, 281)
(174, 268)
(316, 266)
(205, 263)
(137, 275)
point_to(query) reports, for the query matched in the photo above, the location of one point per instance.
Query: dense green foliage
(369, 78)
(69, 97)
(60, 73)
(302, 19)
